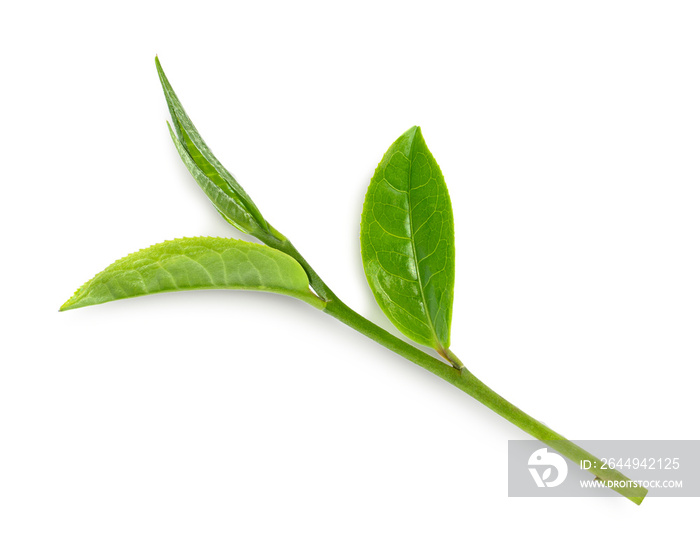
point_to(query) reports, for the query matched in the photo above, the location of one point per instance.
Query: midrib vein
(413, 243)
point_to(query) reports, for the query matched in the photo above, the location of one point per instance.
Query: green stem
(458, 375)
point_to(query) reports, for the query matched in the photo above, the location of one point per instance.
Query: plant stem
(458, 375)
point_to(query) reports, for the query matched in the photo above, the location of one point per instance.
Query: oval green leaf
(197, 263)
(407, 238)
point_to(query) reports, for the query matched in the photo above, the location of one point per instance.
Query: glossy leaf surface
(407, 239)
(197, 263)
(229, 198)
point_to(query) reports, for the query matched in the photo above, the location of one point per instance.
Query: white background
(232, 422)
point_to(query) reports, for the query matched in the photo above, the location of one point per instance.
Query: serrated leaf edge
(309, 297)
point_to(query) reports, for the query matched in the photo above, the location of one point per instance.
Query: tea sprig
(408, 254)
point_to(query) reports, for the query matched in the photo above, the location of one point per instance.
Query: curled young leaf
(229, 198)
(197, 263)
(407, 238)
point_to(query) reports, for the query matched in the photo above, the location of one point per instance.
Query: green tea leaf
(197, 263)
(407, 239)
(229, 198)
